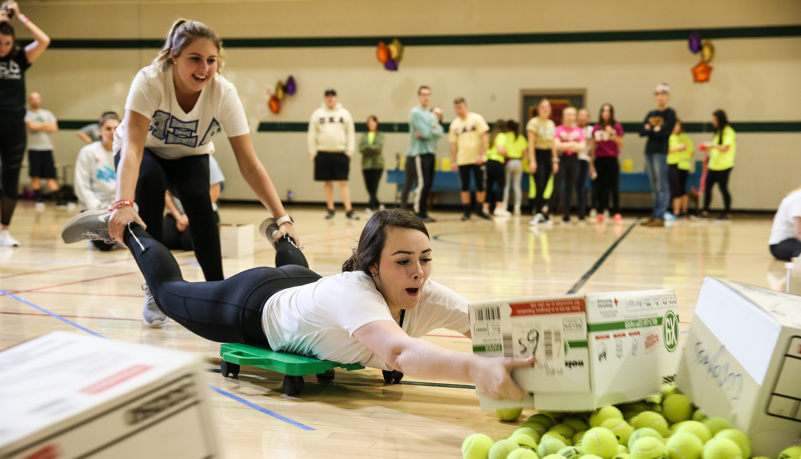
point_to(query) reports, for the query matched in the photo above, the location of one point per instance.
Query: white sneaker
(39, 206)
(593, 214)
(151, 314)
(6, 240)
(539, 218)
(517, 210)
(501, 212)
(92, 225)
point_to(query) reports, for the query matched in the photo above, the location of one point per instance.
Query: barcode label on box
(488, 313)
(508, 345)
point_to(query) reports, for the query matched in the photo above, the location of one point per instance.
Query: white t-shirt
(173, 133)
(783, 226)
(319, 319)
(95, 177)
(584, 155)
(40, 140)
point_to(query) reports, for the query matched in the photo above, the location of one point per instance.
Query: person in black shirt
(657, 126)
(13, 64)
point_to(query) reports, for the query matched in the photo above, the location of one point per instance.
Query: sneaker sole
(74, 230)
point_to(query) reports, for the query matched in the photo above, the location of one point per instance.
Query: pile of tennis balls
(665, 426)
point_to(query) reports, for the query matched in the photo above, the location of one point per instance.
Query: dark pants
(541, 177)
(372, 177)
(569, 168)
(13, 140)
(188, 179)
(677, 178)
(722, 179)
(581, 188)
(787, 249)
(420, 168)
(607, 183)
(496, 181)
(226, 311)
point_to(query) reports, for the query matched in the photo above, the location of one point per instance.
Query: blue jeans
(657, 169)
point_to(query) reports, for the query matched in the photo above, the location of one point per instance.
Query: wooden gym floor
(47, 285)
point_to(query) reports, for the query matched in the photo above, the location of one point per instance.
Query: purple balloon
(290, 86)
(695, 42)
(391, 65)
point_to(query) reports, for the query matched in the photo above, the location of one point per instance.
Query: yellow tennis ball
(607, 412)
(696, 428)
(716, 424)
(793, 452)
(476, 446)
(684, 445)
(644, 432)
(522, 454)
(509, 414)
(591, 456)
(722, 448)
(553, 456)
(699, 415)
(524, 441)
(600, 441)
(677, 408)
(570, 452)
(620, 428)
(648, 448)
(502, 448)
(550, 445)
(536, 427)
(668, 389)
(525, 430)
(576, 422)
(563, 429)
(652, 420)
(737, 437)
(622, 456)
(577, 438)
(622, 449)
(559, 436)
(543, 419)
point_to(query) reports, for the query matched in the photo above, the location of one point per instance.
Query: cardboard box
(236, 240)
(591, 351)
(742, 362)
(65, 395)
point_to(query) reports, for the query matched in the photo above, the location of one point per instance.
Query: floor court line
(575, 288)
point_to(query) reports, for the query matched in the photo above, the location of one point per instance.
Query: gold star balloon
(279, 90)
(395, 50)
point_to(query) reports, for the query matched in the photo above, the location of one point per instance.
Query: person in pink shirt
(607, 140)
(569, 141)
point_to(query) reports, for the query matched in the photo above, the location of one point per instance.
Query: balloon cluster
(702, 70)
(390, 54)
(281, 89)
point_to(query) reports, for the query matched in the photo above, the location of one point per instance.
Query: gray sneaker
(268, 228)
(92, 225)
(151, 314)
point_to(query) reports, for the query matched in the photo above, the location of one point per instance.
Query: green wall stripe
(452, 40)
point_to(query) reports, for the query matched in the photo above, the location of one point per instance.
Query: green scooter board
(293, 366)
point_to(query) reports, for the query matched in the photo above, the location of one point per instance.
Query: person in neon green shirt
(516, 147)
(496, 175)
(680, 153)
(722, 150)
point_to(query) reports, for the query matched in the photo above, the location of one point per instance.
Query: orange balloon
(274, 104)
(382, 52)
(702, 72)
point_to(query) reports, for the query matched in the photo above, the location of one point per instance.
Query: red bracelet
(119, 204)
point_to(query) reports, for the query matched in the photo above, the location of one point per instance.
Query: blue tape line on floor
(53, 314)
(259, 408)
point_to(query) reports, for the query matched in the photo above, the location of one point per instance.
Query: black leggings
(496, 177)
(541, 177)
(13, 140)
(372, 177)
(226, 311)
(479, 175)
(569, 168)
(188, 179)
(608, 170)
(677, 179)
(722, 179)
(786, 250)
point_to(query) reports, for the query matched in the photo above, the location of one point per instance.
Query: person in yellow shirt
(516, 147)
(722, 150)
(680, 153)
(542, 158)
(496, 173)
(468, 137)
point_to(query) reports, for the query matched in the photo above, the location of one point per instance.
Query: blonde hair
(182, 33)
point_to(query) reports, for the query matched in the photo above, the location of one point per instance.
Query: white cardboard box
(591, 351)
(236, 240)
(742, 362)
(65, 395)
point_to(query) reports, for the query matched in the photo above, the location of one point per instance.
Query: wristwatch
(285, 219)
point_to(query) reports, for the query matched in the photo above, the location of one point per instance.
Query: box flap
(783, 307)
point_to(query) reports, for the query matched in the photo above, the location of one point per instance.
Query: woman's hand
(181, 222)
(121, 217)
(494, 377)
(555, 167)
(13, 8)
(532, 167)
(287, 228)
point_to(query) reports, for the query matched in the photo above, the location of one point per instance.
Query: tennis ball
(696, 428)
(476, 446)
(622, 449)
(577, 438)
(737, 437)
(722, 448)
(509, 414)
(793, 452)
(599, 441)
(525, 430)
(684, 445)
(607, 412)
(677, 408)
(502, 448)
(538, 428)
(576, 422)
(564, 429)
(716, 424)
(553, 456)
(591, 456)
(668, 390)
(648, 448)
(654, 402)
(568, 440)
(524, 441)
(570, 452)
(652, 420)
(762, 457)
(522, 453)
(543, 419)
(550, 446)
(620, 428)
(699, 415)
(644, 432)
(622, 456)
